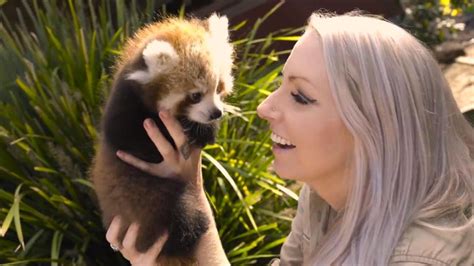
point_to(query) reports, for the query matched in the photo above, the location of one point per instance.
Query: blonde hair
(413, 149)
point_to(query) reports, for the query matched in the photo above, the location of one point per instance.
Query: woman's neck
(333, 190)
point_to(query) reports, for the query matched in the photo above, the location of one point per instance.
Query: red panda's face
(188, 75)
(202, 103)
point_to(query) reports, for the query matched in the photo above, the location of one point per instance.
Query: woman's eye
(300, 99)
(195, 97)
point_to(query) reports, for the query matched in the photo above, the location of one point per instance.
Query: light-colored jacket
(418, 245)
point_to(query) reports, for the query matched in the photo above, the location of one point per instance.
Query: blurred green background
(55, 73)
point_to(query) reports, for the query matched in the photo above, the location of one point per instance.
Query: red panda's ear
(221, 49)
(218, 26)
(159, 56)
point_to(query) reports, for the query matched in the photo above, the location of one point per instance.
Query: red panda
(184, 66)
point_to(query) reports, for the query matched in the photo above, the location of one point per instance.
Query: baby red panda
(184, 66)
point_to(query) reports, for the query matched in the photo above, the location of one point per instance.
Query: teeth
(279, 140)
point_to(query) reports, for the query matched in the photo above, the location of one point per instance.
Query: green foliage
(433, 21)
(54, 78)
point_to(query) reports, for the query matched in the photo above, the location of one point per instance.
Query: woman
(370, 126)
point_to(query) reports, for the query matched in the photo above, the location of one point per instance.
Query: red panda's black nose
(216, 114)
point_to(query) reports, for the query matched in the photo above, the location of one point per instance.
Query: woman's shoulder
(425, 245)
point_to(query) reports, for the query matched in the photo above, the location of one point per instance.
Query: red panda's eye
(195, 97)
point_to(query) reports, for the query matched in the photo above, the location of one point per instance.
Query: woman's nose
(266, 110)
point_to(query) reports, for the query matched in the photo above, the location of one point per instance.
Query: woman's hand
(209, 250)
(127, 246)
(174, 164)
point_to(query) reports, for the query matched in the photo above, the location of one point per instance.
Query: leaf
(45, 170)
(56, 246)
(287, 192)
(7, 221)
(246, 248)
(233, 185)
(84, 182)
(287, 38)
(271, 245)
(31, 243)
(14, 215)
(17, 217)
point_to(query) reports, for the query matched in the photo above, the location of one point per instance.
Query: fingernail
(148, 122)
(164, 114)
(119, 153)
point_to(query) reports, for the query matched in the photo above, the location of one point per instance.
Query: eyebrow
(293, 77)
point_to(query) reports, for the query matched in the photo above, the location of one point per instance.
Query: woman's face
(302, 113)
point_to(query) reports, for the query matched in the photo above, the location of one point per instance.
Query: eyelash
(300, 99)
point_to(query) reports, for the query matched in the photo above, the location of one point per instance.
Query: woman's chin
(283, 172)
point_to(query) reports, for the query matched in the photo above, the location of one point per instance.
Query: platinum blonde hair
(413, 149)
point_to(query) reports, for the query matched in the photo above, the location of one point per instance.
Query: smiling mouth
(281, 142)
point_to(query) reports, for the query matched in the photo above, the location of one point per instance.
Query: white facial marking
(216, 100)
(201, 111)
(171, 101)
(158, 56)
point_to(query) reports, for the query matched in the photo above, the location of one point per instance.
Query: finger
(113, 231)
(196, 155)
(155, 250)
(162, 169)
(174, 128)
(161, 143)
(128, 244)
(134, 161)
(150, 256)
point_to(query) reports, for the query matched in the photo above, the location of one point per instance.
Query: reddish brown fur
(190, 32)
(124, 190)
